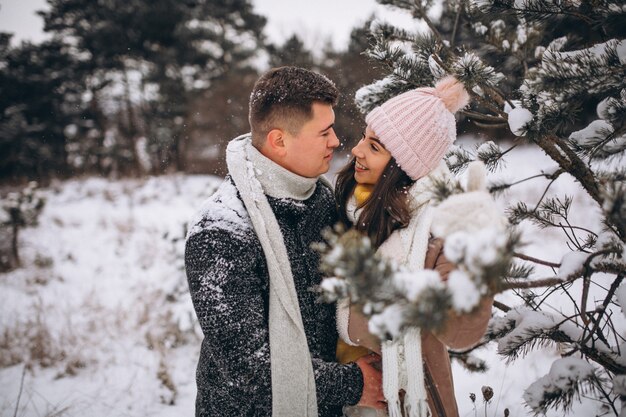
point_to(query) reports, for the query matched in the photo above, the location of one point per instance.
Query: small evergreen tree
(540, 68)
(19, 210)
(292, 52)
(38, 93)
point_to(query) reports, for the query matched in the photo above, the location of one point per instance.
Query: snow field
(102, 313)
(108, 326)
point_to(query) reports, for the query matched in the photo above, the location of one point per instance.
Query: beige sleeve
(359, 333)
(462, 330)
(465, 330)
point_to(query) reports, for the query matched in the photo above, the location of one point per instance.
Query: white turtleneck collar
(279, 182)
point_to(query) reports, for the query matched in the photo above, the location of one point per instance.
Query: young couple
(269, 348)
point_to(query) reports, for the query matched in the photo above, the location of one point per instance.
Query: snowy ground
(101, 312)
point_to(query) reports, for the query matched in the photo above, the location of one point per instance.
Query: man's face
(309, 153)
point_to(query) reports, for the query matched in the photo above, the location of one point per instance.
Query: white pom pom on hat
(418, 126)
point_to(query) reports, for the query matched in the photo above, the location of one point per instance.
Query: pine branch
(457, 159)
(560, 390)
(420, 13)
(533, 335)
(584, 296)
(491, 154)
(537, 283)
(490, 126)
(535, 260)
(517, 271)
(572, 164)
(499, 187)
(457, 19)
(536, 10)
(501, 306)
(484, 117)
(586, 271)
(543, 215)
(469, 362)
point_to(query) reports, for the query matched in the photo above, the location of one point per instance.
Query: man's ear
(276, 142)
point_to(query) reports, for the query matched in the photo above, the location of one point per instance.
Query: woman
(384, 192)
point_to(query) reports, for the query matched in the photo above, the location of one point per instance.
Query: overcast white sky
(315, 21)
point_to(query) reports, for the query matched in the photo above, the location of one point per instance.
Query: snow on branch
(373, 95)
(520, 330)
(553, 87)
(531, 10)
(601, 66)
(568, 379)
(470, 67)
(457, 159)
(605, 137)
(614, 207)
(394, 297)
(491, 154)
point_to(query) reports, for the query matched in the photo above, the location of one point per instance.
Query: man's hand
(435, 259)
(372, 382)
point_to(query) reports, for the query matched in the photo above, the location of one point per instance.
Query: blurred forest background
(128, 88)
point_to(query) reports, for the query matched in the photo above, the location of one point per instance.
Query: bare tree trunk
(132, 125)
(15, 257)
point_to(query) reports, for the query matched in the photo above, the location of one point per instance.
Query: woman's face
(371, 158)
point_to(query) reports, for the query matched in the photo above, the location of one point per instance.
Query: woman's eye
(374, 148)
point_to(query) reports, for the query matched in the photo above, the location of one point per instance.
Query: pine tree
(144, 62)
(554, 73)
(292, 52)
(350, 69)
(38, 93)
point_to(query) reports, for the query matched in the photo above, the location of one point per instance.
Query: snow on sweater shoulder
(223, 210)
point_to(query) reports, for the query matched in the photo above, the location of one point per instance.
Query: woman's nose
(356, 151)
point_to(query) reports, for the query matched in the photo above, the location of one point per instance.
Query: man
(269, 347)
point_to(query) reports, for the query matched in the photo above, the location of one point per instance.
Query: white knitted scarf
(402, 358)
(255, 176)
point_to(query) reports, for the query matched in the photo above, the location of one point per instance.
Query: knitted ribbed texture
(418, 126)
(391, 381)
(231, 276)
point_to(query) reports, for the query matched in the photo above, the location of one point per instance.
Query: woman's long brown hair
(387, 208)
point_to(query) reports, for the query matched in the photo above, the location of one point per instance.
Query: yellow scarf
(362, 192)
(345, 352)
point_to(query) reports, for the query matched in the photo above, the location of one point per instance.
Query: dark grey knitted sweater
(229, 284)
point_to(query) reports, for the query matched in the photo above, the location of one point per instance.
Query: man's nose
(334, 141)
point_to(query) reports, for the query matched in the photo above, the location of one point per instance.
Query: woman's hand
(435, 259)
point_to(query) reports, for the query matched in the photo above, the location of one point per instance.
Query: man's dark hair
(283, 98)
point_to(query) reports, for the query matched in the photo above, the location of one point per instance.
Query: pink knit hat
(418, 126)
